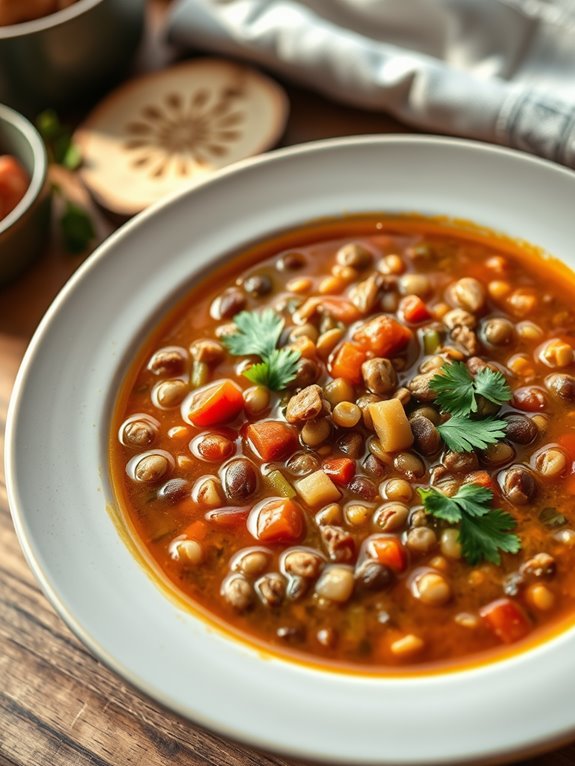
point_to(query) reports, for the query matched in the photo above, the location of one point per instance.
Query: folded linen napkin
(495, 70)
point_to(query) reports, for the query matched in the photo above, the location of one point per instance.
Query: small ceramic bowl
(69, 55)
(23, 231)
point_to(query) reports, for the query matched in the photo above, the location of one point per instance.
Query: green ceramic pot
(69, 56)
(24, 231)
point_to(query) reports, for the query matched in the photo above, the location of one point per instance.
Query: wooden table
(58, 705)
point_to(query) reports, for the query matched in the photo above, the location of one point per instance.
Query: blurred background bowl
(68, 56)
(24, 231)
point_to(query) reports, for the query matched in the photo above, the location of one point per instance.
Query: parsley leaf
(492, 385)
(456, 389)
(439, 505)
(483, 537)
(278, 369)
(259, 333)
(483, 531)
(464, 435)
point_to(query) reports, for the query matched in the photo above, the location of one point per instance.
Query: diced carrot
(197, 530)
(216, 403)
(567, 441)
(272, 439)
(388, 551)
(341, 470)
(13, 184)
(569, 484)
(506, 619)
(346, 362)
(230, 516)
(414, 309)
(276, 521)
(383, 335)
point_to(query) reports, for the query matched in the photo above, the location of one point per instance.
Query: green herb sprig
(58, 139)
(484, 532)
(258, 334)
(457, 393)
(457, 390)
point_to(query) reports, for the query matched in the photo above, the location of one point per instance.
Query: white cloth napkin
(495, 70)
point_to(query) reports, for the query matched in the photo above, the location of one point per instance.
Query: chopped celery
(200, 374)
(280, 484)
(431, 341)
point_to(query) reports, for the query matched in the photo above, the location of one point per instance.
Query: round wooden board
(161, 132)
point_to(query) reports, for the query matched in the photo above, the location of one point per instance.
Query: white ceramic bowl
(56, 464)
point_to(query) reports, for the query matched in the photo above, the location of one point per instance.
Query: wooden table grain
(58, 705)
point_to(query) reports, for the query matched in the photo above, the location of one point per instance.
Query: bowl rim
(39, 167)
(555, 736)
(23, 28)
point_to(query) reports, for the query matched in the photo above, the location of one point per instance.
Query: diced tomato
(216, 403)
(231, 516)
(13, 184)
(506, 619)
(567, 441)
(383, 335)
(272, 439)
(346, 362)
(276, 521)
(414, 309)
(197, 530)
(341, 470)
(388, 551)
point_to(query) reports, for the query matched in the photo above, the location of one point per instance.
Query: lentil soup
(355, 443)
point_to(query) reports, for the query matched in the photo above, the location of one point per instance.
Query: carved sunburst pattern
(185, 133)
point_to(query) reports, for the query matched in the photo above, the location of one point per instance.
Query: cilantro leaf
(492, 385)
(483, 531)
(474, 499)
(439, 505)
(257, 333)
(454, 388)
(464, 435)
(276, 371)
(483, 537)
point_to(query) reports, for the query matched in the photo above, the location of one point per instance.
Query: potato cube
(317, 489)
(391, 425)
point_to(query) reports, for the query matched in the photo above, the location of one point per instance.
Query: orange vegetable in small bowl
(24, 194)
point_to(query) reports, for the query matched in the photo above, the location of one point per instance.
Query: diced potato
(317, 489)
(391, 425)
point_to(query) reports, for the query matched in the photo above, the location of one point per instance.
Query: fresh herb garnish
(456, 389)
(76, 227)
(483, 531)
(464, 435)
(457, 393)
(58, 140)
(258, 333)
